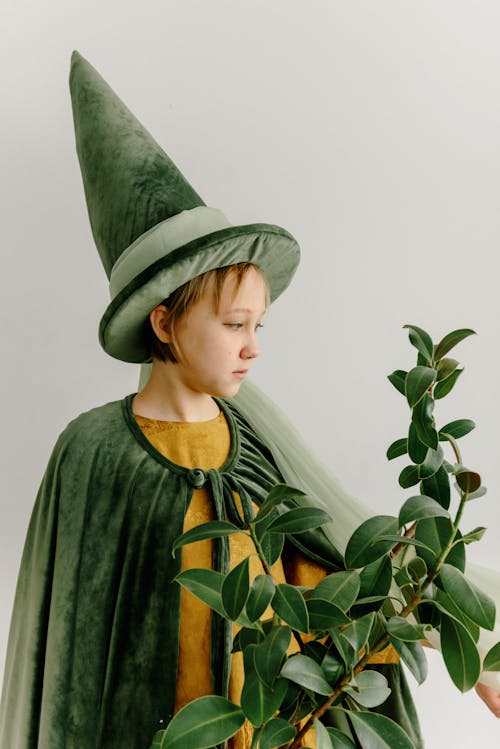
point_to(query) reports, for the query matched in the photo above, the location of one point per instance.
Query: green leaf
(438, 487)
(339, 587)
(260, 596)
(436, 533)
(259, 703)
(403, 577)
(398, 379)
(432, 463)
(324, 614)
(416, 449)
(422, 341)
(344, 649)
(468, 481)
(375, 731)
(361, 549)
(290, 700)
(360, 604)
(271, 543)
(369, 688)
(413, 656)
(307, 673)
(446, 605)
(397, 448)
(299, 520)
(276, 733)
(417, 568)
(202, 724)
(418, 507)
(269, 654)
(322, 737)
(423, 420)
(279, 494)
(400, 628)
(418, 381)
(332, 668)
(339, 740)
(456, 429)
(413, 572)
(460, 654)
(406, 540)
(492, 660)
(246, 637)
(445, 368)
(157, 739)
(477, 494)
(205, 585)
(474, 535)
(443, 388)
(470, 599)
(409, 477)
(450, 341)
(213, 529)
(376, 578)
(235, 589)
(291, 607)
(358, 632)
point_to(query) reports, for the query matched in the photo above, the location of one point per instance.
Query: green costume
(93, 645)
(92, 653)
(92, 659)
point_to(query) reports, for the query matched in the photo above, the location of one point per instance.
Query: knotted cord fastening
(196, 477)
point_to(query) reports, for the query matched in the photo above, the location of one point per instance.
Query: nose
(251, 349)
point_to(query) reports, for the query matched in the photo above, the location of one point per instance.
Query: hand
(490, 697)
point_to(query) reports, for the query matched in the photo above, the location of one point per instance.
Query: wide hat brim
(271, 248)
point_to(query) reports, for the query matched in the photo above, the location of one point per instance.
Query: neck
(166, 399)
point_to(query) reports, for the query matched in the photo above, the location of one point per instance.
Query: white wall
(369, 130)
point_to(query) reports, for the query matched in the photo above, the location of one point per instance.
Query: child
(104, 647)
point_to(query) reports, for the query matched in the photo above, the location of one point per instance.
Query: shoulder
(100, 426)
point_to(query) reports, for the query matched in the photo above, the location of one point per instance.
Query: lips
(240, 372)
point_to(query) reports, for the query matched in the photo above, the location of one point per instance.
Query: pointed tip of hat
(79, 61)
(75, 57)
(122, 166)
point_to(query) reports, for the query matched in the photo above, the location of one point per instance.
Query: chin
(226, 392)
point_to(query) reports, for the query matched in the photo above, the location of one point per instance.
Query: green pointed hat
(152, 230)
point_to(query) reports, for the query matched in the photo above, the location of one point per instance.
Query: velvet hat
(152, 230)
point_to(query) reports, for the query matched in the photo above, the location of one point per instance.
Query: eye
(259, 325)
(234, 325)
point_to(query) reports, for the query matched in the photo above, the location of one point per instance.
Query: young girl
(104, 647)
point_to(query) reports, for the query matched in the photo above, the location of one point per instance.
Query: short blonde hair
(189, 293)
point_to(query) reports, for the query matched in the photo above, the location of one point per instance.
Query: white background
(370, 130)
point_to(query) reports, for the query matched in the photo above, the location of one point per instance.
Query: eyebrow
(243, 309)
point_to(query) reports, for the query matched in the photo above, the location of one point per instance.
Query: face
(217, 348)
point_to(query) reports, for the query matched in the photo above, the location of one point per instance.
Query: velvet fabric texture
(133, 189)
(92, 657)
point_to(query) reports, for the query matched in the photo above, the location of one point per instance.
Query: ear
(160, 322)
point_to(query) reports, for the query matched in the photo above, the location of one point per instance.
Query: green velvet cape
(92, 656)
